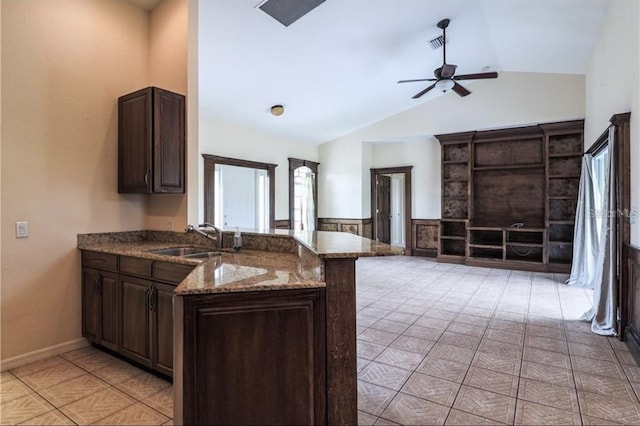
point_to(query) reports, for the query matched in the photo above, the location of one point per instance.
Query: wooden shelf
(486, 246)
(509, 167)
(568, 154)
(524, 244)
(455, 180)
(562, 222)
(564, 176)
(455, 162)
(452, 237)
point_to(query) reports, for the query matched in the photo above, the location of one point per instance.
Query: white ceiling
(335, 70)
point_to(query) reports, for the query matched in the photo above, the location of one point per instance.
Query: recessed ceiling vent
(437, 42)
(288, 11)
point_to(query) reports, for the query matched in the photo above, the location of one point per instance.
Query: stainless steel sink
(185, 251)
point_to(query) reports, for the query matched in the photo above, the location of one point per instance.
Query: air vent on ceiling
(288, 11)
(437, 42)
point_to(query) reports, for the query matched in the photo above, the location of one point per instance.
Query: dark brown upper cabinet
(151, 142)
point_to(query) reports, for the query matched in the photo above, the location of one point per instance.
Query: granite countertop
(248, 270)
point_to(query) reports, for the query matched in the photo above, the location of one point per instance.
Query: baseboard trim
(20, 360)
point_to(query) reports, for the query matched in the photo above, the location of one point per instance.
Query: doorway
(391, 206)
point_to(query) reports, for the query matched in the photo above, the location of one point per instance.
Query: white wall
(64, 64)
(514, 99)
(227, 140)
(613, 85)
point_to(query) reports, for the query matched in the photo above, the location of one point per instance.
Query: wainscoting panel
(632, 331)
(360, 227)
(425, 237)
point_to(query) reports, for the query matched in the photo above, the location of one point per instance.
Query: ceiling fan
(445, 77)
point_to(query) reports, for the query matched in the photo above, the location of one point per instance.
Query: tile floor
(437, 344)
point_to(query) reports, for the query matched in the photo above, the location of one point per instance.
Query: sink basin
(202, 255)
(184, 251)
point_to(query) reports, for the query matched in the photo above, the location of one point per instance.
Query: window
(303, 194)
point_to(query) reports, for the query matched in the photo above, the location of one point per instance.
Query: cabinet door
(134, 142)
(168, 141)
(90, 305)
(109, 314)
(162, 327)
(136, 339)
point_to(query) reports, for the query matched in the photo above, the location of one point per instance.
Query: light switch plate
(22, 229)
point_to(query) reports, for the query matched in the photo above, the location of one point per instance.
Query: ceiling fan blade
(476, 76)
(417, 95)
(460, 90)
(447, 70)
(420, 79)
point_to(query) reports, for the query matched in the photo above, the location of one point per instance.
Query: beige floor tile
(603, 352)
(546, 343)
(409, 410)
(362, 363)
(626, 358)
(546, 373)
(53, 417)
(431, 388)
(379, 337)
(440, 314)
(368, 350)
(162, 401)
(52, 376)
(457, 417)
(137, 414)
(500, 324)
(500, 348)
(5, 377)
(603, 385)
(95, 361)
(505, 336)
(403, 317)
(632, 373)
(366, 418)
(73, 390)
(420, 332)
(486, 404)
(591, 339)
(13, 389)
(530, 413)
(143, 385)
(440, 324)
(493, 381)
(412, 344)
(561, 397)
(444, 369)
(117, 372)
(453, 353)
(399, 358)
(384, 375)
(80, 353)
(390, 326)
(459, 340)
(602, 368)
(496, 362)
(541, 356)
(470, 316)
(609, 408)
(34, 367)
(22, 409)
(382, 421)
(592, 421)
(97, 406)
(373, 399)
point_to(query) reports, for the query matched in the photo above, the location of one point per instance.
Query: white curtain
(603, 313)
(585, 237)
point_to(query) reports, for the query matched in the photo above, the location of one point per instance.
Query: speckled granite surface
(284, 259)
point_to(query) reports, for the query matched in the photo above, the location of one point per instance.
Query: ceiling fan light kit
(277, 110)
(445, 78)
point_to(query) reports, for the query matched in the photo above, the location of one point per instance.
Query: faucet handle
(206, 225)
(189, 228)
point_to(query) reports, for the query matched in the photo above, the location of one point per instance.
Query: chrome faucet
(218, 239)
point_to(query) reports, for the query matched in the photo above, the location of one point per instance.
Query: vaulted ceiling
(336, 69)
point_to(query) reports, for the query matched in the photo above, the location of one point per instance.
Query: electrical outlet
(22, 229)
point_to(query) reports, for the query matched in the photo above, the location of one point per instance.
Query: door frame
(406, 170)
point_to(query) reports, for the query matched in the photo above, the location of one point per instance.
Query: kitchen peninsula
(267, 335)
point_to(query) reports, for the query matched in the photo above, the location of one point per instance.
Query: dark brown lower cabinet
(100, 307)
(251, 358)
(631, 261)
(136, 325)
(147, 322)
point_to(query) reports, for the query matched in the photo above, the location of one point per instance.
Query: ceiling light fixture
(444, 85)
(277, 110)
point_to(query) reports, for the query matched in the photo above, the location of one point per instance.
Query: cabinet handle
(95, 283)
(146, 177)
(153, 298)
(147, 298)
